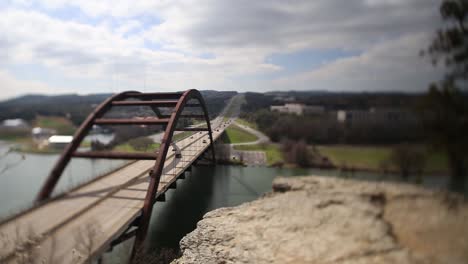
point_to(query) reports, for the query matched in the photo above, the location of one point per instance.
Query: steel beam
(154, 96)
(65, 157)
(158, 103)
(169, 123)
(131, 121)
(124, 237)
(155, 176)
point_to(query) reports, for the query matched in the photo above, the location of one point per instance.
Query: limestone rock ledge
(327, 220)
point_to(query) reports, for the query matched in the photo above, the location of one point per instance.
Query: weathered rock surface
(326, 220)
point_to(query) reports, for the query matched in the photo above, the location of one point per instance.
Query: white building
(14, 124)
(41, 134)
(298, 109)
(17, 122)
(59, 141)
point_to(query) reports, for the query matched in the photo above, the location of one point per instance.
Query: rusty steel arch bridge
(117, 206)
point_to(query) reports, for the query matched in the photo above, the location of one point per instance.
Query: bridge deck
(85, 221)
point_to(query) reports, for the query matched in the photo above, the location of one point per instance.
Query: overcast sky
(64, 46)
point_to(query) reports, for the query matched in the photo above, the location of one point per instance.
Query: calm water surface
(203, 190)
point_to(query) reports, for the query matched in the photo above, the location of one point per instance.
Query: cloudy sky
(64, 46)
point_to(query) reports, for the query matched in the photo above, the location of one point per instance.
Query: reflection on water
(25, 174)
(101, 138)
(209, 188)
(203, 190)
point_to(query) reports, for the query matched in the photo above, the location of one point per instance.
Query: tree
(451, 42)
(407, 159)
(444, 108)
(296, 152)
(301, 153)
(141, 143)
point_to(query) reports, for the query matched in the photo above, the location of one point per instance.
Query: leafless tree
(407, 159)
(296, 152)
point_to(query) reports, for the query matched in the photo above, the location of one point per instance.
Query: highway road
(83, 222)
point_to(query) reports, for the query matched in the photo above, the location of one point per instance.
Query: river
(204, 189)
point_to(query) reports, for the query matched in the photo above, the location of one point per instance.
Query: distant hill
(331, 100)
(77, 107)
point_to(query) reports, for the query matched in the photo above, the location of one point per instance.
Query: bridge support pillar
(169, 123)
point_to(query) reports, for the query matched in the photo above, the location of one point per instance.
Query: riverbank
(330, 220)
(376, 158)
(26, 145)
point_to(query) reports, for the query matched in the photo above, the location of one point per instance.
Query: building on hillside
(59, 141)
(14, 127)
(298, 109)
(16, 123)
(42, 134)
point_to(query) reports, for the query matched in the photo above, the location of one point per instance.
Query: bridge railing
(177, 101)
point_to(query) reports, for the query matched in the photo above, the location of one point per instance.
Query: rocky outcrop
(325, 220)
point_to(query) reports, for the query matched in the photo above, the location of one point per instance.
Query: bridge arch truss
(177, 101)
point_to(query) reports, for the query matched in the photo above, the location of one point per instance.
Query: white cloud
(11, 87)
(100, 51)
(240, 36)
(394, 65)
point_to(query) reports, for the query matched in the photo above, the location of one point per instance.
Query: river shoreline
(328, 220)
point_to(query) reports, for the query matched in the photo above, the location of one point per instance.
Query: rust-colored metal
(63, 160)
(155, 176)
(159, 103)
(125, 236)
(169, 123)
(133, 121)
(157, 96)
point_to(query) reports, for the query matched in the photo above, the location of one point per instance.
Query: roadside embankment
(328, 220)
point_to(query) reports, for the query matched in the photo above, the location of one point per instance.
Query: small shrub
(407, 159)
(141, 143)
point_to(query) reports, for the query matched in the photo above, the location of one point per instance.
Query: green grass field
(141, 144)
(15, 137)
(246, 123)
(234, 134)
(357, 156)
(370, 157)
(273, 153)
(181, 135)
(437, 161)
(126, 147)
(61, 124)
